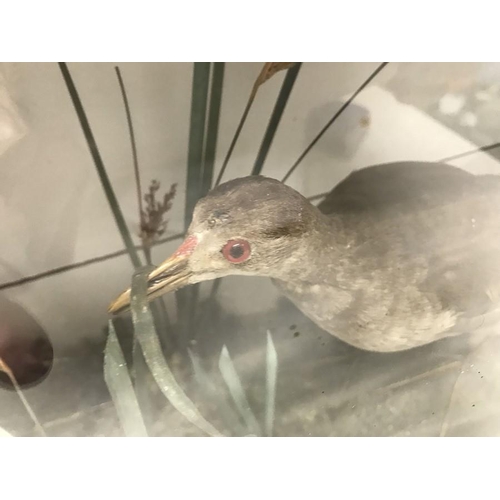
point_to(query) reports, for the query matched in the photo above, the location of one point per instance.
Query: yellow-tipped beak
(172, 274)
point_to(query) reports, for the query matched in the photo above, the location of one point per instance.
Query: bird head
(248, 226)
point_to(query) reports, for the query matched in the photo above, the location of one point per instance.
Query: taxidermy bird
(396, 256)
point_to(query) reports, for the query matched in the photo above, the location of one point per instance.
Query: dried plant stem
(137, 175)
(78, 265)
(268, 70)
(274, 121)
(132, 142)
(4, 368)
(236, 135)
(482, 149)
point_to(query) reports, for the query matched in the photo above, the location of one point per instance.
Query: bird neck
(319, 254)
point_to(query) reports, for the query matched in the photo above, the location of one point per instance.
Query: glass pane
(312, 301)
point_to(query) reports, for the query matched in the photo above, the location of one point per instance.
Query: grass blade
(103, 176)
(120, 387)
(201, 376)
(271, 376)
(333, 119)
(210, 390)
(233, 383)
(187, 298)
(274, 121)
(151, 348)
(199, 97)
(212, 130)
(212, 126)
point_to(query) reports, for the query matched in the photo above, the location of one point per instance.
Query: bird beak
(172, 274)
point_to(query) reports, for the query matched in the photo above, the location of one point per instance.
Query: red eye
(236, 251)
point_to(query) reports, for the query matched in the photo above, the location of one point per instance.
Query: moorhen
(396, 256)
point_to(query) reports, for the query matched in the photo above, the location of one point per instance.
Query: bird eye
(236, 251)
